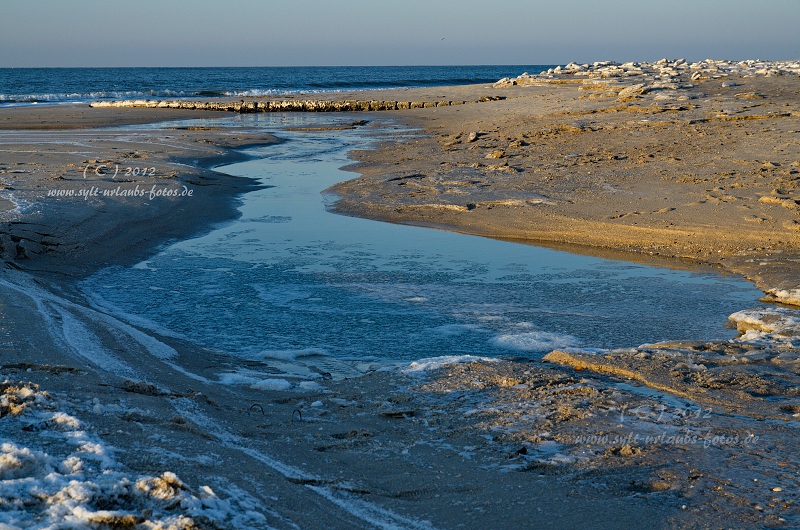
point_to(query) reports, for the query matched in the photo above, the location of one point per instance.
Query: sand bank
(697, 163)
(75, 199)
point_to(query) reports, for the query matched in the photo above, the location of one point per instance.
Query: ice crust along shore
(67, 477)
(664, 73)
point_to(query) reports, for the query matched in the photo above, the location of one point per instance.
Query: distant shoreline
(85, 85)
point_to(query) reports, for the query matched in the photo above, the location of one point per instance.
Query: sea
(291, 283)
(26, 86)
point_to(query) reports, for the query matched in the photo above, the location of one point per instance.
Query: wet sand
(688, 434)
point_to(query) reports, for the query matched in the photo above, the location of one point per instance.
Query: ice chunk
(271, 384)
(536, 341)
(434, 363)
(776, 320)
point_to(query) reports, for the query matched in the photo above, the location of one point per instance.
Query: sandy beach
(670, 168)
(705, 170)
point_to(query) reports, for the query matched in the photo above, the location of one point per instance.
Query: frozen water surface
(289, 280)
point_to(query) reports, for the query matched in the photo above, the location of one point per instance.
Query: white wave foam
(77, 97)
(255, 92)
(84, 96)
(535, 341)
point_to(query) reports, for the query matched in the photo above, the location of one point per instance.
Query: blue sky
(377, 32)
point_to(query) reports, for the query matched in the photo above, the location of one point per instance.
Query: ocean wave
(310, 88)
(26, 86)
(87, 96)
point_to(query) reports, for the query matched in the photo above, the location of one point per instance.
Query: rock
(473, 136)
(496, 154)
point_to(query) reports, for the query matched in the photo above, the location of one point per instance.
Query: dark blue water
(68, 85)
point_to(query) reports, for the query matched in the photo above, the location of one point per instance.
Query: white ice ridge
(66, 322)
(665, 70)
(775, 320)
(786, 296)
(66, 477)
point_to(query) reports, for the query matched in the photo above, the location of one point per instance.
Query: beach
(646, 163)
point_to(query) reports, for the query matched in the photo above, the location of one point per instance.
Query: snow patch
(66, 477)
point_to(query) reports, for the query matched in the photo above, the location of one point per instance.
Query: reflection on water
(289, 279)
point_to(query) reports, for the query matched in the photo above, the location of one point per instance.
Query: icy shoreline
(55, 471)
